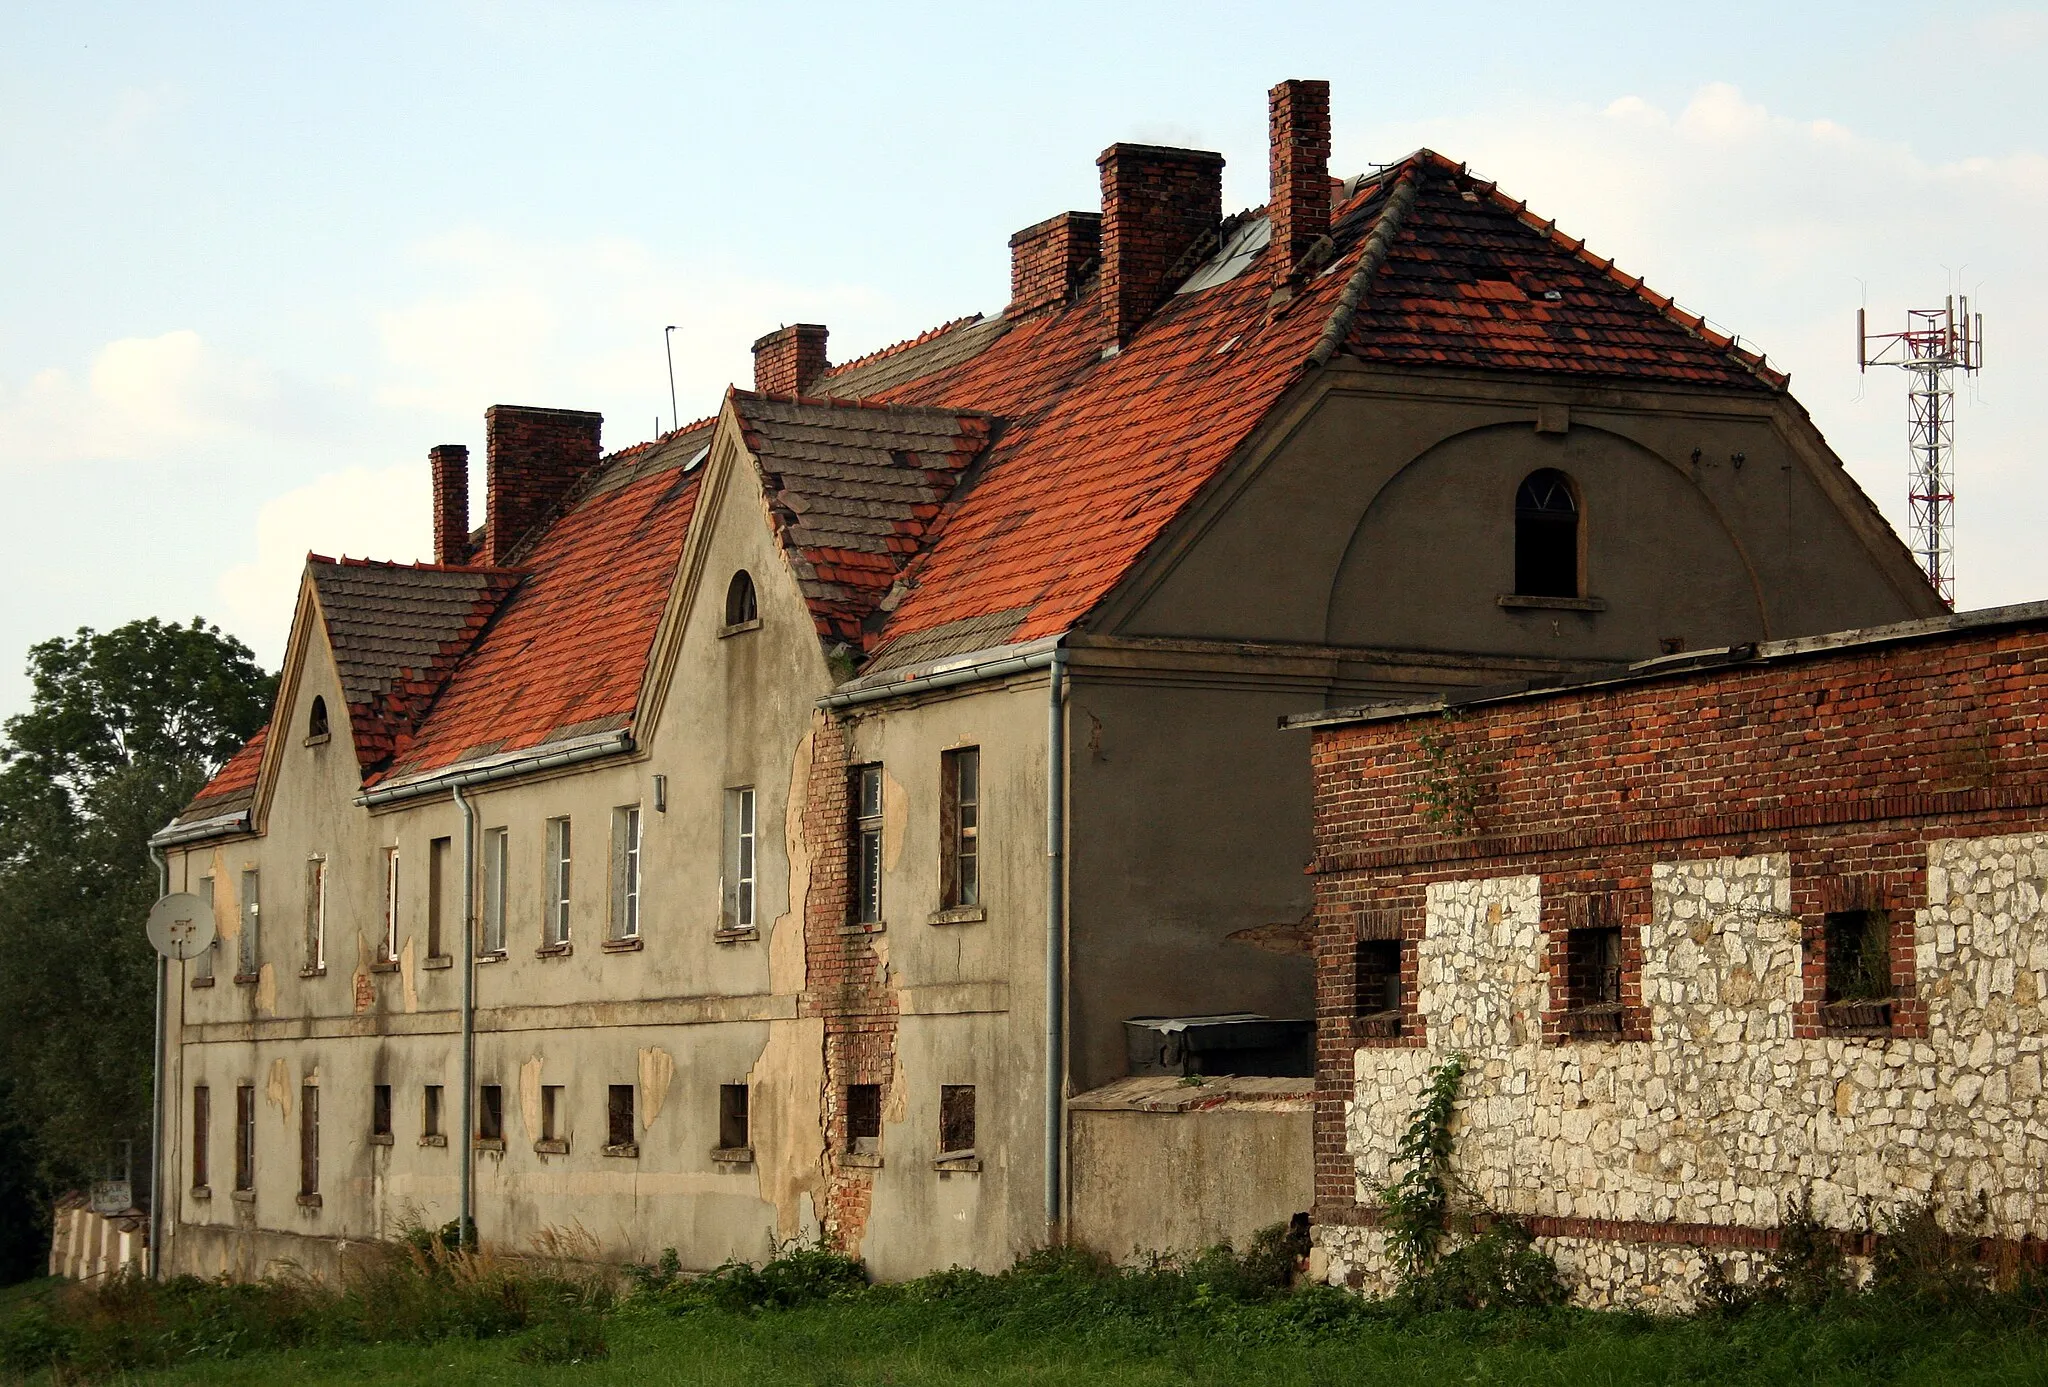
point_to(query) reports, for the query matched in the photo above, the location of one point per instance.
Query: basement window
(1547, 536)
(864, 1119)
(1593, 980)
(956, 1119)
(1857, 950)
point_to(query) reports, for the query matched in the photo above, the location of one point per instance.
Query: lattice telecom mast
(1936, 344)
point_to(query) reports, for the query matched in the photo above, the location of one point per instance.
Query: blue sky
(260, 258)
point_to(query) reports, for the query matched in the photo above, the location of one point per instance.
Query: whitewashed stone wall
(1722, 1115)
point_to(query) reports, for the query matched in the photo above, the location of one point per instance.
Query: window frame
(863, 1119)
(249, 944)
(393, 884)
(1869, 1008)
(1539, 553)
(740, 881)
(621, 1118)
(309, 1143)
(952, 1098)
(555, 929)
(440, 854)
(316, 913)
(868, 831)
(742, 609)
(735, 1118)
(960, 828)
(490, 1112)
(202, 1137)
(433, 1114)
(497, 868)
(627, 826)
(380, 1113)
(203, 966)
(245, 1138)
(554, 1120)
(317, 727)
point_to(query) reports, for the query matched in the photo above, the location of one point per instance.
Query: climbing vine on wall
(1449, 788)
(1418, 1192)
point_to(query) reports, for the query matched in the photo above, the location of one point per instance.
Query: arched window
(1547, 536)
(739, 600)
(316, 723)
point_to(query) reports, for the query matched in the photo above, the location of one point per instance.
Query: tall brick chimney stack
(789, 360)
(1047, 260)
(535, 456)
(1155, 204)
(450, 465)
(1298, 127)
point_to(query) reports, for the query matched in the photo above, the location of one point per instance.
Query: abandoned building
(1719, 933)
(795, 809)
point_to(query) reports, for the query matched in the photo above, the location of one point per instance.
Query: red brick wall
(788, 360)
(1848, 761)
(1049, 259)
(1155, 204)
(535, 456)
(1298, 131)
(449, 464)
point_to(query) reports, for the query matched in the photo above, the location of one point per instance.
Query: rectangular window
(439, 880)
(553, 1113)
(251, 957)
(388, 947)
(430, 1111)
(202, 967)
(618, 1116)
(738, 911)
(960, 826)
(202, 1136)
(490, 1113)
(309, 1140)
(732, 1117)
(1593, 980)
(867, 845)
(316, 913)
(497, 872)
(626, 872)
(1858, 945)
(556, 929)
(956, 1119)
(245, 1137)
(864, 1118)
(380, 1112)
(1376, 987)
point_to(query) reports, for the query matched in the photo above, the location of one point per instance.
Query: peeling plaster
(266, 989)
(895, 819)
(277, 1089)
(657, 1069)
(408, 978)
(529, 1097)
(786, 1106)
(787, 969)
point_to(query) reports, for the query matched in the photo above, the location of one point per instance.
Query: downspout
(156, 1091)
(1055, 941)
(466, 1214)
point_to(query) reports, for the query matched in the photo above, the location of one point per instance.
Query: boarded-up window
(245, 1137)
(864, 1118)
(960, 827)
(732, 1117)
(202, 1136)
(956, 1119)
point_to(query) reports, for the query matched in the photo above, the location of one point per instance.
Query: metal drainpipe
(156, 1091)
(1055, 941)
(466, 1214)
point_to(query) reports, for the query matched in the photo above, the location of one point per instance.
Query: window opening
(389, 946)
(1376, 987)
(380, 1111)
(202, 1134)
(740, 603)
(316, 913)
(430, 1111)
(618, 1115)
(738, 909)
(732, 1117)
(626, 872)
(960, 813)
(490, 1113)
(557, 930)
(867, 896)
(245, 1137)
(202, 967)
(309, 1139)
(497, 862)
(864, 1119)
(551, 1113)
(1593, 980)
(316, 723)
(439, 852)
(1547, 536)
(250, 956)
(956, 1119)
(1858, 951)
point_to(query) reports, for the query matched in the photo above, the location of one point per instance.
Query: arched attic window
(316, 721)
(740, 606)
(1547, 536)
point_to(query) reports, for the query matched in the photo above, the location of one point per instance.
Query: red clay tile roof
(397, 631)
(233, 786)
(854, 489)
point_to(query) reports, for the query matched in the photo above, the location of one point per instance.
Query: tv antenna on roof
(675, 420)
(1936, 344)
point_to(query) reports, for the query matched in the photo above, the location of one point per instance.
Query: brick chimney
(535, 456)
(1047, 260)
(1155, 204)
(450, 465)
(1298, 127)
(789, 360)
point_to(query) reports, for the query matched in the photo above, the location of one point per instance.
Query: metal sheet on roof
(1231, 257)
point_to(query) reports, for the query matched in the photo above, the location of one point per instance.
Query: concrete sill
(434, 1139)
(380, 1138)
(438, 961)
(202, 1192)
(733, 1155)
(964, 915)
(309, 1201)
(1515, 601)
(384, 965)
(243, 1196)
(247, 979)
(496, 1144)
(319, 972)
(491, 956)
(623, 946)
(861, 1160)
(206, 981)
(628, 1151)
(865, 927)
(739, 627)
(960, 1162)
(551, 1146)
(735, 936)
(562, 950)
(321, 740)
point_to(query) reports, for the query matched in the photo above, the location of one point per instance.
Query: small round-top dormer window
(740, 606)
(316, 721)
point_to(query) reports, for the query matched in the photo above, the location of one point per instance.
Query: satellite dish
(181, 925)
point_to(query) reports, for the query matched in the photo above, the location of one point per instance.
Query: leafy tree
(123, 729)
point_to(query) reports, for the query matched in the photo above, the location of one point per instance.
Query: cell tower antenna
(1936, 344)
